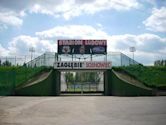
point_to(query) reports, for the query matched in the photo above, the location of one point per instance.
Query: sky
(123, 23)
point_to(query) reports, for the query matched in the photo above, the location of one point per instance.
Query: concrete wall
(113, 85)
(42, 88)
(118, 87)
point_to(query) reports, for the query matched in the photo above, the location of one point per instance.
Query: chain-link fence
(48, 59)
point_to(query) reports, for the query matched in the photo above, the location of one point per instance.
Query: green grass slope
(11, 77)
(151, 76)
(22, 74)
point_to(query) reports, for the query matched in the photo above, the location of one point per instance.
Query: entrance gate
(82, 82)
(103, 88)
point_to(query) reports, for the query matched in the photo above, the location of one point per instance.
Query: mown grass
(20, 74)
(151, 76)
(23, 74)
(12, 77)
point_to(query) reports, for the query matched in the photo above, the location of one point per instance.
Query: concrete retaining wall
(119, 87)
(113, 86)
(42, 88)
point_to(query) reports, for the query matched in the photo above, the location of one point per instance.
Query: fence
(7, 82)
(14, 60)
(83, 87)
(48, 59)
(12, 77)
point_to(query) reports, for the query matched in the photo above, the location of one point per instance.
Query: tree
(77, 77)
(6, 63)
(24, 65)
(69, 77)
(160, 63)
(93, 77)
(87, 77)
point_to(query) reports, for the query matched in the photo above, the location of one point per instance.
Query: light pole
(90, 54)
(132, 49)
(31, 50)
(72, 53)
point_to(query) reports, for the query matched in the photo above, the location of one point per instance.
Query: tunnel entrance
(82, 82)
(80, 77)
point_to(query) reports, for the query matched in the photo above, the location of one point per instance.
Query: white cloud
(72, 8)
(72, 31)
(3, 51)
(157, 21)
(10, 18)
(147, 45)
(151, 41)
(11, 13)
(18, 49)
(20, 45)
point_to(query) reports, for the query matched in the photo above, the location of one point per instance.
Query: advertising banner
(82, 46)
(82, 65)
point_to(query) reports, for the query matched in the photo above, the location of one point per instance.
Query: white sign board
(82, 65)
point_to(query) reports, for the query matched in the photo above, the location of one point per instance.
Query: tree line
(160, 63)
(5, 63)
(80, 77)
(8, 63)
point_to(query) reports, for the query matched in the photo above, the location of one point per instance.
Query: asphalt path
(83, 110)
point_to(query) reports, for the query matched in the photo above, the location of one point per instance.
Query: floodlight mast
(132, 49)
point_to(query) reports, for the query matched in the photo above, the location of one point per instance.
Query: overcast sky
(124, 23)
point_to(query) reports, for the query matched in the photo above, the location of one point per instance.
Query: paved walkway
(83, 110)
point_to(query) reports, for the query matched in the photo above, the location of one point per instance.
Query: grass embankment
(18, 75)
(151, 76)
